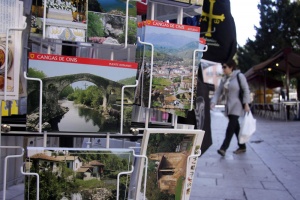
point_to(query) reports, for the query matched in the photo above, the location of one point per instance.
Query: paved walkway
(269, 170)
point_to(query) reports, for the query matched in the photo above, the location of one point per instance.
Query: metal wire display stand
(152, 8)
(153, 5)
(13, 32)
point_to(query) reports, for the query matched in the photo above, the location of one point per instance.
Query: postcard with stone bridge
(79, 94)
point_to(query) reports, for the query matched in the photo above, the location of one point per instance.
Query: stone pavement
(269, 170)
(15, 192)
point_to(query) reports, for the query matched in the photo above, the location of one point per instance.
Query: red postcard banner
(171, 25)
(81, 60)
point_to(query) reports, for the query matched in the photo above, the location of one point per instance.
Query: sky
(64, 68)
(246, 15)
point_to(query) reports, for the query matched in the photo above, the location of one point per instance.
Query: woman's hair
(231, 63)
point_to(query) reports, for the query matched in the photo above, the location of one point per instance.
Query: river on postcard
(79, 118)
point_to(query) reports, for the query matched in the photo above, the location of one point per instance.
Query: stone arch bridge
(53, 86)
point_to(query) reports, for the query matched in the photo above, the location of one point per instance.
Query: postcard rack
(181, 11)
(178, 12)
(11, 27)
(44, 149)
(6, 165)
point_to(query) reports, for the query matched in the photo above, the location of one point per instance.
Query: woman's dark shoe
(239, 151)
(221, 152)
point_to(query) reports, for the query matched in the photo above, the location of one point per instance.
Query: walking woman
(229, 86)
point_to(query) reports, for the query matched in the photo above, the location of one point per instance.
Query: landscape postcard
(82, 20)
(64, 19)
(172, 159)
(79, 94)
(107, 25)
(78, 173)
(172, 76)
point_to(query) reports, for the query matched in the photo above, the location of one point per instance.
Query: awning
(260, 78)
(284, 62)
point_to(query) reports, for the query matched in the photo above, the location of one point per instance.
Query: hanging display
(11, 48)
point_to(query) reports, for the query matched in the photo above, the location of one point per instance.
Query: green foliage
(132, 8)
(279, 28)
(153, 192)
(161, 142)
(32, 72)
(128, 81)
(180, 112)
(132, 28)
(177, 79)
(91, 96)
(178, 189)
(127, 115)
(90, 184)
(111, 161)
(156, 104)
(166, 196)
(161, 82)
(52, 184)
(123, 186)
(66, 92)
(95, 26)
(34, 96)
(247, 57)
(151, 166)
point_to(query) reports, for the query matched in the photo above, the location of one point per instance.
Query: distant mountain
(128, 81)
(175, 45)
(168, 40)
(185, 51)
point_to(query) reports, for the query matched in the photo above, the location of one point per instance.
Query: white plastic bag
(247, 129)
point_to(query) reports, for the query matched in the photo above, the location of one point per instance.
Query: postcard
(172, 158)
(173, 2)
(106, 28)
(94, 21)
(79, 94)
(78, 173)
(64, 20)
(11, 50)
(114, 6)
(168, 74)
